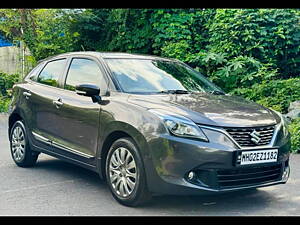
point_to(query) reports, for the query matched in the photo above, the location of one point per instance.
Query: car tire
(125, 173)
(21, 152)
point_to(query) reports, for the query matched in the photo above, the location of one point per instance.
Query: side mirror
(87, 90)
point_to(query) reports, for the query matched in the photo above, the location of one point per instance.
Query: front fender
(133, 132)
(137, 122)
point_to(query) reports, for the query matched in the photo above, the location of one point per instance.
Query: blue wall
(4, 43)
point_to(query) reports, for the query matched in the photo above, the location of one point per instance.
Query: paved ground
(55, 187)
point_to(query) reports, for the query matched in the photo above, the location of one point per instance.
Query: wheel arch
(15, 116)
(116, 132)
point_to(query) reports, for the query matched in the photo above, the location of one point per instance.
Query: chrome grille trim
(243, 135)
(222, 130)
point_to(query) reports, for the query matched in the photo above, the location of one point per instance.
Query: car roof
(109, 55)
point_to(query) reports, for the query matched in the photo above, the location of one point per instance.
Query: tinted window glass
(51, 72)
(84, 71)
(34, 72)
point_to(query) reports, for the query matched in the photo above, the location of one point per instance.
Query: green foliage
(52, 34)
(235, 72)
(276, 94)
(17, 24)
(174, 28)
(7, 81)
(269, 35)
(171, 26)
(4, 103)
(130, 31)
(176, 50)
(294, 129)
(45, 31)
(235, 48)
(91, 28)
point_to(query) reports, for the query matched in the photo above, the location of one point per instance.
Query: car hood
(209, 109)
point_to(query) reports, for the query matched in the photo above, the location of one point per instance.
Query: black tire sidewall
(135, 197)
(29, 159)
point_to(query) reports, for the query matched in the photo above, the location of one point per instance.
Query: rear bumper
(215, 169)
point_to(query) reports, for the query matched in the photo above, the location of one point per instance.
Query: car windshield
(145, 76)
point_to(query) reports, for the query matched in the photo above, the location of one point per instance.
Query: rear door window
(51, 72)
(35, 72)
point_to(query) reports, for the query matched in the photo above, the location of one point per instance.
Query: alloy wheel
(18, 144)
(122, 172)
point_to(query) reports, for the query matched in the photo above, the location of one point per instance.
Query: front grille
(248, 176)
(243, 138)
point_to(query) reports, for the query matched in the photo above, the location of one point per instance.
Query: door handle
(27, 94)
(58, 103)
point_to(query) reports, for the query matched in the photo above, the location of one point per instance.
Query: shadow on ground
(239, 202)
(61, 167)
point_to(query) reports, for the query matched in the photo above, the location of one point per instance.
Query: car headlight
(284, 123)
(180, 126)
(285, 126)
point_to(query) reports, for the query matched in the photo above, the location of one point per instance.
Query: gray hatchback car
(146, 124)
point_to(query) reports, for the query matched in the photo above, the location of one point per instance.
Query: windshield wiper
(216, 92)
(174, 92)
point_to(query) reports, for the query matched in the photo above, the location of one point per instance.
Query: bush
(276, 94)
(233, 72)
(294, 129)
(7, 81)
(4, 103)
(269, 35)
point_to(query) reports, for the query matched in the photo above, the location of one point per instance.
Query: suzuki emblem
(255, 137)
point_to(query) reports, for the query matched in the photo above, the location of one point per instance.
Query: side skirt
(58, 151)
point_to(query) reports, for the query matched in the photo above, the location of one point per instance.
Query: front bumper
(214, 166)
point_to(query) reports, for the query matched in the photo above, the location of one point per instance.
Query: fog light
(191, 175)
(286, 173)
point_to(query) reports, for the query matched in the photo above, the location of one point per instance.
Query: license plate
(261, 156)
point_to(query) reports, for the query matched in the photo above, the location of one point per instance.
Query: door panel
(78, 116)
(77, 123)
(72, 127)
(44, 111)
(42, 94)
